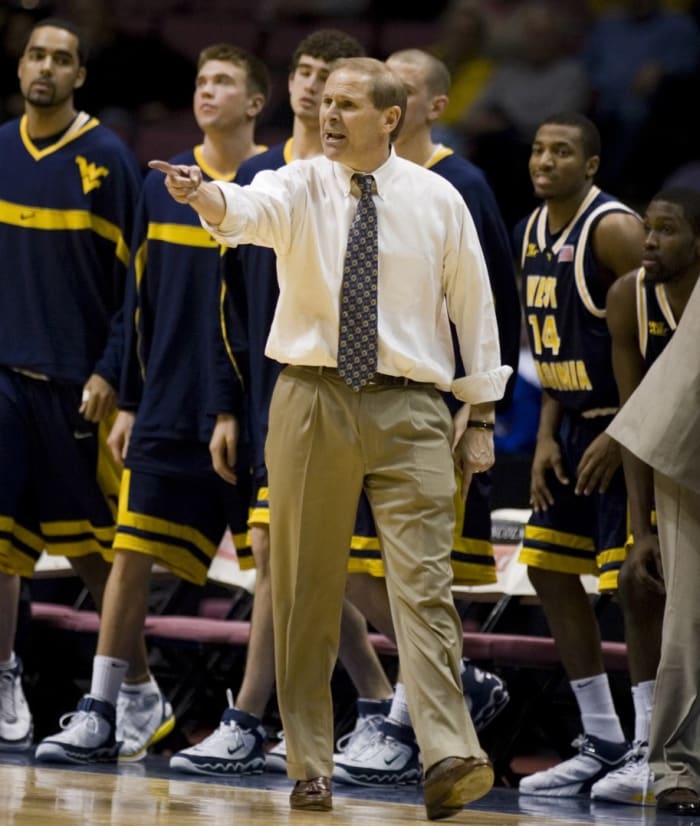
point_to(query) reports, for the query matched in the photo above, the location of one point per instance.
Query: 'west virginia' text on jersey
(564, 299)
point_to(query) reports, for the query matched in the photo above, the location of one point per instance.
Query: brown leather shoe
(454, 781)
(315, 794)
(679, 801)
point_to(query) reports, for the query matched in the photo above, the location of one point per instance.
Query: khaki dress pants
(325, 444)
(674, 740)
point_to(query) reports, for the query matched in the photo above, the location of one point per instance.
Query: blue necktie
(357, 339)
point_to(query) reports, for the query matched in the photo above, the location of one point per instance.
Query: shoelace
(579, 742)
(379, 740)
(637, 755)
(75, 718)
(8, 698)
(226, 731)
(361, 734)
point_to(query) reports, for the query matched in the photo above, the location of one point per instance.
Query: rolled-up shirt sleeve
(471, 308)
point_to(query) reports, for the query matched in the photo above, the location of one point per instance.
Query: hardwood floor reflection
(150, 794)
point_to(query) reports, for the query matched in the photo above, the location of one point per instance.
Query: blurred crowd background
(632, 66)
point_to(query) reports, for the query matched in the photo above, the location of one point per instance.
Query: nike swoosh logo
(78, 435)
(392, 759)
(25, 216)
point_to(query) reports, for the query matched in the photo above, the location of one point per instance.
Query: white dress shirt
(430, 265)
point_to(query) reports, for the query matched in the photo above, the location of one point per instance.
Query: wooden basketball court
(148, 794)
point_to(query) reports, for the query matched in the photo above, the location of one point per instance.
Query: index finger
(164, 166)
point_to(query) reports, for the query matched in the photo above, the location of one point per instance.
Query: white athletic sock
(399, 708)
(595, 702)
(107, 676)
(643, 698)
(143, 685)
(6, 665)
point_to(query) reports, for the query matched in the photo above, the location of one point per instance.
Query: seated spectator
(538, 80)
(639, 58)
(462, 47)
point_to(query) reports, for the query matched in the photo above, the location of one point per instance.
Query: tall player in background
(68, 191)
(173, 508)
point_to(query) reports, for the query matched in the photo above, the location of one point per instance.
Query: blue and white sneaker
(16, 726)
(389, 756)
(595, 759)
(632, 783)
(87, 736)
(144, 717)
(485, 694)
(370, 713)
(235, 747)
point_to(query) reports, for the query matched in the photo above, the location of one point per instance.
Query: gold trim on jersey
(224, 332)
(441, 152)
(541, 229)
(288, 151)
(552, 561)
(75, 526)
(214, 174)
(643, 310)
(664, 304)
(109, 473)
(15, 560)
(81, 124)
(580, 273)
(10, 526)
(560, 538)
(611, 555)
(173, 556)
(34, 217)
(183, 234)
(539, 218)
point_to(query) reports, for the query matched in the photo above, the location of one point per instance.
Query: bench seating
(497, 648)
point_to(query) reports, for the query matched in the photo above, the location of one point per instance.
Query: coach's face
(353, 130)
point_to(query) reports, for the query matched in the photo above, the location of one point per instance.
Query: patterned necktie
(357, 340)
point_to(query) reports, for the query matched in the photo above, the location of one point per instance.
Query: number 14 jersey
(563, 291)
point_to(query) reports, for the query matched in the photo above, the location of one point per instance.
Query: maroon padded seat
(500, 649)
(199, 630)
(52, 613)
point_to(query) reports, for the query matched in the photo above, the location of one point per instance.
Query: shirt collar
(381, 174)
